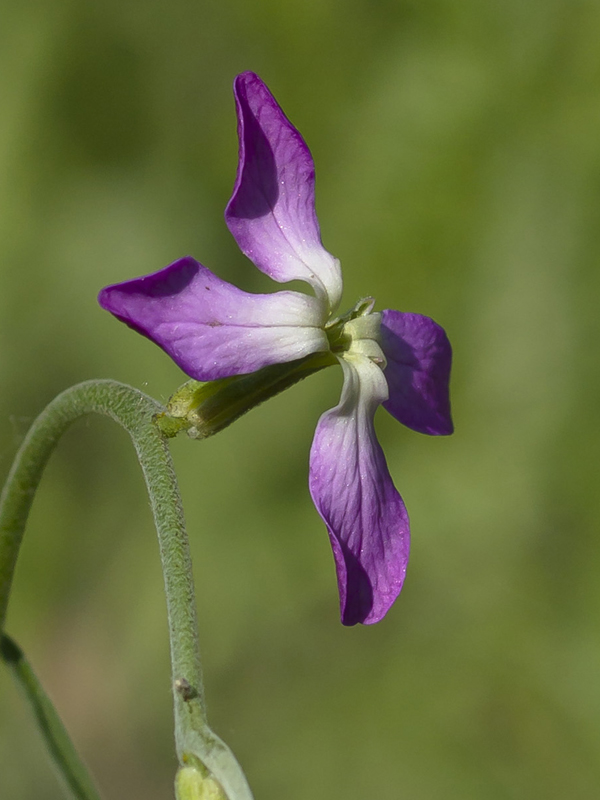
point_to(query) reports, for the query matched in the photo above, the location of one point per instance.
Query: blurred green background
(457, 146)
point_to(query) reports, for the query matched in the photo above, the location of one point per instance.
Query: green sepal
(203, 409)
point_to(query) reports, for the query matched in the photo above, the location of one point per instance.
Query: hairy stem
(134, 411)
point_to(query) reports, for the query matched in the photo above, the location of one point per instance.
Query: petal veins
(352, 489)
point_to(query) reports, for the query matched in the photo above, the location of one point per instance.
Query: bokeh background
(457, 146)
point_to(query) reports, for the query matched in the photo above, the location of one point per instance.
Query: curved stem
(135, 412)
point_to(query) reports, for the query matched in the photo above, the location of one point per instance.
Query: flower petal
(419, 358)
(212, 329)
(354, 494)
(271, 213)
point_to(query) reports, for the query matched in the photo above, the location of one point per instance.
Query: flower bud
(191, 784)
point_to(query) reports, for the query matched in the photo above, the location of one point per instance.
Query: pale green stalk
(197, 746)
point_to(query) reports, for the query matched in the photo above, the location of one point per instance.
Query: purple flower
(214, 330)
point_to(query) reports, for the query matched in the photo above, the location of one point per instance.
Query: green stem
(196, 744)
(57, 739)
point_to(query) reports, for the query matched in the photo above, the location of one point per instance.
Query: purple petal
(419, 358)
(354, 494)
(212, 329)
(271, 213)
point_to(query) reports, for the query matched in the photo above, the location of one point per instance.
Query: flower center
(358, 332)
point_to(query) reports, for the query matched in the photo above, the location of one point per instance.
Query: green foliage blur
(457, 146)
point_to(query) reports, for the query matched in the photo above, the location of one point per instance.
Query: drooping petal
(212, 329)
(419, 357)
(271, 212)
(352, 489)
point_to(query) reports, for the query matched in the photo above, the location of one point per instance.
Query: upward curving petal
(271, 213)
(419, 358)
(352, 489)
(212, 329)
